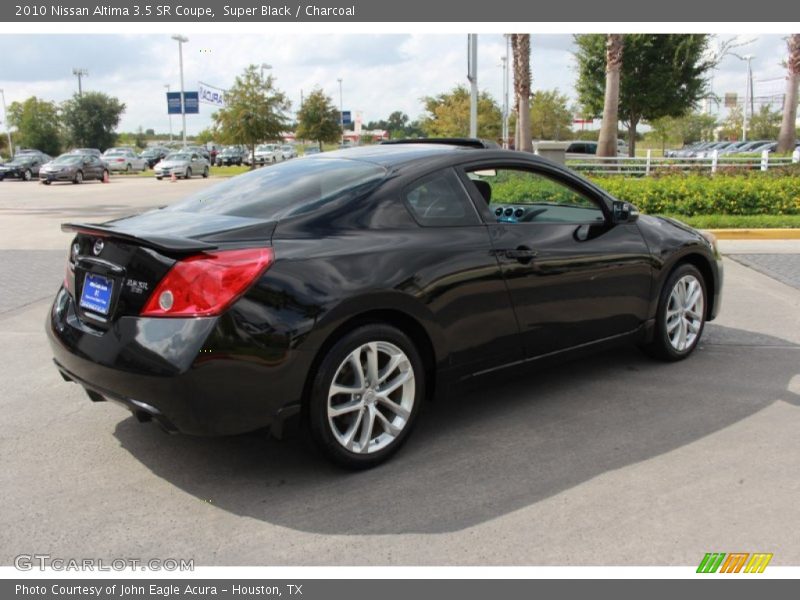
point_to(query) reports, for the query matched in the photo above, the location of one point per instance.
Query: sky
(380, 73)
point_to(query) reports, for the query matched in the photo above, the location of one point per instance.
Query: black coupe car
(349, 287)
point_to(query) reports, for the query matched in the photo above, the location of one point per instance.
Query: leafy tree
(448, 115)
(732, 125)
(662, 75)
(205, 136)
(607, 139)
(90, 120)
(318, 119)
(37, 124)
(255, 111)
(396, 124)
(551, 118)
(788, 133)
(686, 129)
(764, 125)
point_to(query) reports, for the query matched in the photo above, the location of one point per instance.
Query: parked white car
(288, 151)
(123, 159)
(268, 154)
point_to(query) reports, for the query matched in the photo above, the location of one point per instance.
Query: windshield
(289, 188)
(68, 159)
(25, 158)
(177, 156)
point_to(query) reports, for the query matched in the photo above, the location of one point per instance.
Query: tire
(128, 169)
(27, 175)
(205, 173)
(45, 181)
(188, 174)
(78, 178)
(159, 178)
(391, 416)
(679, 322)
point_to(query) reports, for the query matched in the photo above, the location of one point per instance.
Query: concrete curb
(756, 234)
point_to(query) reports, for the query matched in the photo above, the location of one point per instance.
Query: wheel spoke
(395, 383)
(388, 426)
(393, 406)
(347, 439)
(372, 363)
(671, 325)
(344, 408)
(682, 335)
(337, 388)
(358, 369)
(693, 326)
(390, 367)
(366, 430)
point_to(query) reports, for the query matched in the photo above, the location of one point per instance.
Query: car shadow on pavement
(512, 440)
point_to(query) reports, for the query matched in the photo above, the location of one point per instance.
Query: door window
(521, 196)
(440, 201)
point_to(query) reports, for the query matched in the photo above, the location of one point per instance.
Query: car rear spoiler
(160, 243)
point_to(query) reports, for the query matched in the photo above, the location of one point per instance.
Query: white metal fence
(647, 165)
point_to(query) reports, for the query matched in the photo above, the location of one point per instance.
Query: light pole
(5, 120)
(79, 73)
(341, 109)
(182, 39)
(748, 92)
(264, 66)
(166, 85)
(472, 77)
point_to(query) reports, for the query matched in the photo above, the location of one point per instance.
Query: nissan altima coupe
(346, 289)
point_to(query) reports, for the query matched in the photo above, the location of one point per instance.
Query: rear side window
(286, 189)
(440, 201)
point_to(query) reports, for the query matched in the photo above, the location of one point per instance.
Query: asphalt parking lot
(610, 460)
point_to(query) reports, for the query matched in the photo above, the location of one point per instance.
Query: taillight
(206, 284)
(69, 270)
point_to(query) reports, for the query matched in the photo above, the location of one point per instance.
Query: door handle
(521, 253)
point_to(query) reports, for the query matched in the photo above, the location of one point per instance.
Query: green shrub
(771, 193)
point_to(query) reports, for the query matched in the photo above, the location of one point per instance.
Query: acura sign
(210, 95)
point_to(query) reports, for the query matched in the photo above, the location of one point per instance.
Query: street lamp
(5, 119)
(341, 109)
(79, 73)
(748, 92)
(264, 66)
(166, 85)
(182, 39)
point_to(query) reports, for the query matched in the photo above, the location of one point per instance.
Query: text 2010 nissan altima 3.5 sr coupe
(348, 287)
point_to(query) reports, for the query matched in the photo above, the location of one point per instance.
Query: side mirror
(624, 212)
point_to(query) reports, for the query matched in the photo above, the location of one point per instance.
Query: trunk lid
(114, 267)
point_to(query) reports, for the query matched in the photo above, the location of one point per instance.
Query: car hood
(168, 164)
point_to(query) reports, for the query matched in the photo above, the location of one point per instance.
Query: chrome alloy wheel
(371, 397)
(685, 312)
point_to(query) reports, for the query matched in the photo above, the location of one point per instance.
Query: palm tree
(521, 49)
(788, 135)
(607, 142)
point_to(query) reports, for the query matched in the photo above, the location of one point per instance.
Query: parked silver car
(182, 164)
(123, 159)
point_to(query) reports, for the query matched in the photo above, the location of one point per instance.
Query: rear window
(286, 189)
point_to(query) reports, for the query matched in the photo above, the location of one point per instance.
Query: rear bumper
(188, 375)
